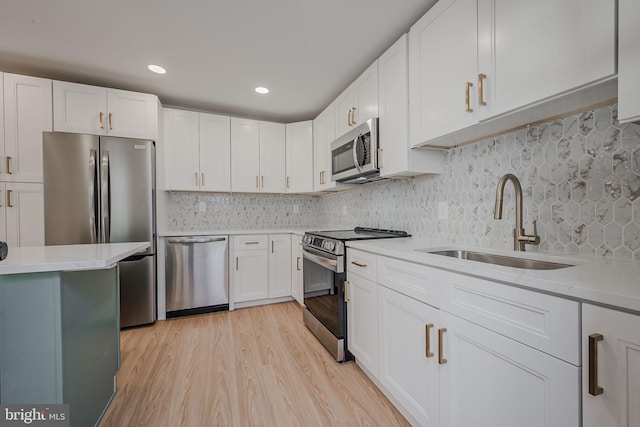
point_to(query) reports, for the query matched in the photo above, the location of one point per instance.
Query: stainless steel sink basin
(529, 264)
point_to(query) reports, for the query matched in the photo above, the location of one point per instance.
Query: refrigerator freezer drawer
(137, 291)
(197, 272)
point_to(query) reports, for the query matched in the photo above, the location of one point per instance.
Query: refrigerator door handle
(105, 183)
(93, 194)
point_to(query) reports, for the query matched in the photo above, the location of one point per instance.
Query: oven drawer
(363, 264)
(250, 242)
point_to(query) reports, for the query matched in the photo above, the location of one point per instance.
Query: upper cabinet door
(245, 155)
(131, 114)
(526, 61)
(272, 157)
(27, 113)
(299, 157)
(628, 61)
(79, 108)
(442, 70)
(181, 150)
(358, 103)
(215, 152)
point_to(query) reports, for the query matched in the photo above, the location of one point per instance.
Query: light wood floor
(257, 366)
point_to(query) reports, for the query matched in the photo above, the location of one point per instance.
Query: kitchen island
(59, 330)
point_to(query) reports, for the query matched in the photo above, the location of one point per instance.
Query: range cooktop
(332, 241)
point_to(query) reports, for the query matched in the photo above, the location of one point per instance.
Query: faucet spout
(519, 236)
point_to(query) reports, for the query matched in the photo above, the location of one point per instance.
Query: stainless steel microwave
(354, 156)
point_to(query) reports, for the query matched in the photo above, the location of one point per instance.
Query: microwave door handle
(355, 153)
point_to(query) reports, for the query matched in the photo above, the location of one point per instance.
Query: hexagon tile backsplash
(580, 178)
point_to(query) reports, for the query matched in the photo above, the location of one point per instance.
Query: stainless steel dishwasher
(197, 275)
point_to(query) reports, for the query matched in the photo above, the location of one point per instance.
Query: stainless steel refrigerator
(100, 189)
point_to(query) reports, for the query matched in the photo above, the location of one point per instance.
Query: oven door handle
(331, 264)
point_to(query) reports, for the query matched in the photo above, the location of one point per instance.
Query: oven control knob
(330, 246)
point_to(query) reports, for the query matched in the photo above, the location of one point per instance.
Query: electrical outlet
(344, 210)
(443, 210)
(296, 209)
(202, 206)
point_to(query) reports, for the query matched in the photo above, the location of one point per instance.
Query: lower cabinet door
(489, 380)
(251, 275)
(614, 396)
(297, 286)
(279, 265)
(362, 326)
(408, 366)
(24, 207)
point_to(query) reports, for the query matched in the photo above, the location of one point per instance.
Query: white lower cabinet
(22, 214)
(279, 265)
(362, 324)
(262, 267)
(408, 362)
(611, 368)
(445, 369)
(489, 380)
(297, 275)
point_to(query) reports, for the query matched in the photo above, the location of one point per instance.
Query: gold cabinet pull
(272, 244)
(427, 332)
(101, 123)
(0, 200)
(287, 182)
(349, 117)
(196, 179)
(322, 182)
(110, 121)
(467, 89)
(379, 158)
(262, 181)
(236, 263)
(8, 165)
(9, 205)
(251, 243)
(298, 263)
(441, 359)
(353, 115)
(202, 178)
(257, 184)
(481, 78)
(346, 298)
(359, 264)
(594, 388)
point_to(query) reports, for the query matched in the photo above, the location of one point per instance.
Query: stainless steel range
(325, 272)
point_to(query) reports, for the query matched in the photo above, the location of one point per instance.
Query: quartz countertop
(604, 281)
(167, 233)
(39, 259)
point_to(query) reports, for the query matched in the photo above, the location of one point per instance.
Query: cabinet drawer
(547, 323)
(363, 264)
(250, 242)
(414, 280)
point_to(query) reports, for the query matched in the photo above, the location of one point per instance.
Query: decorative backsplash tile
(580, 178)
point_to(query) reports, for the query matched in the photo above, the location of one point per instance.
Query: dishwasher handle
(191, 240)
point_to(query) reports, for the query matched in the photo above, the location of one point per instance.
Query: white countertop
(168, 233)
(39, 259)
(603, 281)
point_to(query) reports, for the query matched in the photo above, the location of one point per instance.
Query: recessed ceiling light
(157, 69)
(262, 90)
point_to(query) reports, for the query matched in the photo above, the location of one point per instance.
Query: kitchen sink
(529, 264)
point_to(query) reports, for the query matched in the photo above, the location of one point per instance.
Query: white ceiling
(215, 51)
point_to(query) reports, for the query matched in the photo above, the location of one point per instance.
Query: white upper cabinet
(324, 133)
(395, 158)
(471, 61)
(442, 64)
(27, 113)
(359, 102)
(181, 150)
(215, 152)
(299, 152)
(628, 61)
(196, 151)
(257, 156)
(272, 157)
(610, 367)
(96, 110)
(526, 62)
